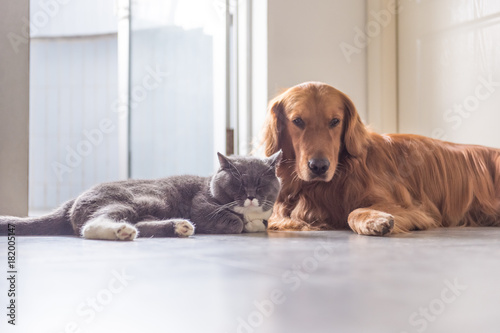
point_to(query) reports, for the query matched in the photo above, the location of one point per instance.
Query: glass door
(177, 93)
(126, 89)
(73, 95)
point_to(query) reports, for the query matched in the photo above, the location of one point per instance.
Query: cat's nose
(251, 201)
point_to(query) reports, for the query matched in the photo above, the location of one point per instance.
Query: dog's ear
(356, 136)
(273, 126)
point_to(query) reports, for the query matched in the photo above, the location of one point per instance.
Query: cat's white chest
(257, 215)
(254, 218)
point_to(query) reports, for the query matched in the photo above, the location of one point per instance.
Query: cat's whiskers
(219, 208)
(289, 161)
(267, 202)
(223, 207)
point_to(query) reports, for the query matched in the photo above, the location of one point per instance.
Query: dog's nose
(319, 166)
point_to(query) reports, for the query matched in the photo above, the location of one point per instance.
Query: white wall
(449, 78)
(14, 111)
(304, 44)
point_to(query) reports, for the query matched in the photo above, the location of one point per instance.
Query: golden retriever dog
(336, 173)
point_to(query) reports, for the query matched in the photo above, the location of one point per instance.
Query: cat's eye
(334, 122)
(299, 122)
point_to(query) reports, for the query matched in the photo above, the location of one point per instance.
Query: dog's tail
(55, 223)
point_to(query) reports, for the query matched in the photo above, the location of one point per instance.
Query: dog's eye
(299, 122)
(334, 122)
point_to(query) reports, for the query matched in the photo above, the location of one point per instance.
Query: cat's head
(246, 184)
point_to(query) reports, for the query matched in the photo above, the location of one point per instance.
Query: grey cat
(238, 197)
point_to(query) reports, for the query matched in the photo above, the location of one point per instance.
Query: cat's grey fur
(238, 197)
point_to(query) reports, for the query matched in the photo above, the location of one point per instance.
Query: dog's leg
(286, 223)
(381, 220)
(290, 217)
(281, 220)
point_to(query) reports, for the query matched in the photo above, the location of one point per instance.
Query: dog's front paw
(184, 228)
(380, 225)
(371, 222)
(255, 226)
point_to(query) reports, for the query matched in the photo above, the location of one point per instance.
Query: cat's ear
(275, 159)
(224, 161)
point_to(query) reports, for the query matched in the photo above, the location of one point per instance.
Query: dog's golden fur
(376, 184)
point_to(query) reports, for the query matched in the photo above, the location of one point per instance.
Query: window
(177, 90)
(124, 89)
(73, 86)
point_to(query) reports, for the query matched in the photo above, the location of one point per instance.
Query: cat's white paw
(184, 228)
(255, 226)
(125, 232)
(102, 227)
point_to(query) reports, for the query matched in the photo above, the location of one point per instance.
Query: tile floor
(434, 281)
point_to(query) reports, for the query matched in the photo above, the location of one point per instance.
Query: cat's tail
(55, 223)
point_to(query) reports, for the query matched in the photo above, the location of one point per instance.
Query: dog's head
(313, 123)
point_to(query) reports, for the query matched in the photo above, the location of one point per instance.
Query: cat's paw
(255, 226)
(105, 228)
(125, 232)
(184, 228)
